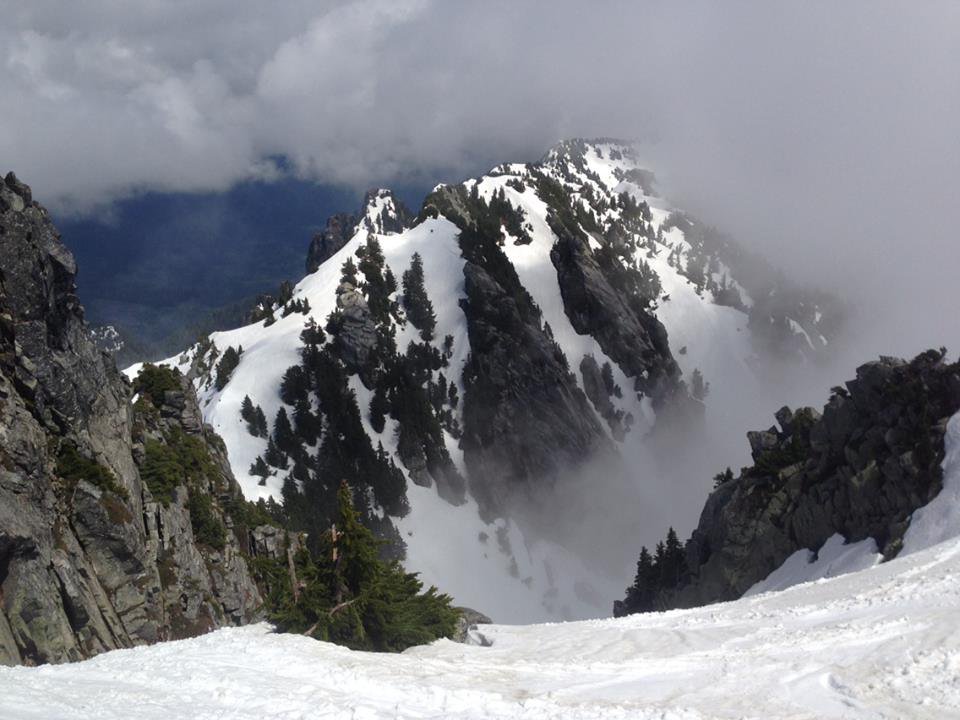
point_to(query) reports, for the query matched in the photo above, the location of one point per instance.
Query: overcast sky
(823, 133)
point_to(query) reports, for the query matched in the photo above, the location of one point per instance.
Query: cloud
(822, 133)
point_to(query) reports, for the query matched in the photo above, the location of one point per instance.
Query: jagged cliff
(859, 470)
(92, 558)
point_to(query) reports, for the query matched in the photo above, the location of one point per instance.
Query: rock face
(860, 469)
(324, 244)
(90, 560)
(381, 213)
(525, 420)
(631, 337)
(357, 336)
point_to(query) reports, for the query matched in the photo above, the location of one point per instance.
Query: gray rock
(467, 631)
(85, 568)
(857, 475)
(526, 422)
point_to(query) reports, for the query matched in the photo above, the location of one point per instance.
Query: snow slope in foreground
(883, 642)
(880, 643)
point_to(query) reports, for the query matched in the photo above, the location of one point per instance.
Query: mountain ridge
(535, 274)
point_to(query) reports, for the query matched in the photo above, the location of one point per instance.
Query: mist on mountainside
(827, 148)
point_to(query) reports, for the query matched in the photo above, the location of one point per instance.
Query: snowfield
(883, 642)
(880, 643)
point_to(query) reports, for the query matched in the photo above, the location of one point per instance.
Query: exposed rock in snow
(859, 473)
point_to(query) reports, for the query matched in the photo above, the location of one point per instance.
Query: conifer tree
(415, 301)
(306, 424)
(273, 456)
(722, 478)
(352, 597)
(259, 468)
(249, 415)
(261, 422)
(379, 405)
(295, 385)
(283, 434)
(348, 273)
(312, 334)
(228, 363)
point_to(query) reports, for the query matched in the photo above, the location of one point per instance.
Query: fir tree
(379, 405)
(283, 435)
(294, 386)
(722, 478)
(389, 281)
(259, 468)
(228, 363)
(415, 301)
(312, 334)
(306, 424)
(273, 456)
(348, 273)
(261, 422)
(352, 597)
(249, 415)
(673, 565)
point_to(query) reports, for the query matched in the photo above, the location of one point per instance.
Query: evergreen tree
(375, 285)
(352, 597)
(674, 564)
(722, 478)
(415, 301)
(228, 363)
(261, 422)
(389, 281)
(259, 468)
(249, 415)
(312, 334)
(379, 405)
(295, 385)
(283, 436)
(273, 456)
(307, 425)
(348, 273)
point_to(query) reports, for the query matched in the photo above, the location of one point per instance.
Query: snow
(940, 518)
(835, 558)
(880, 643)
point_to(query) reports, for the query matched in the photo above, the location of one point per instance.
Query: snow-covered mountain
(879, 643)
(579, 323)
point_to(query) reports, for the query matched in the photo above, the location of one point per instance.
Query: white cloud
(822, 132)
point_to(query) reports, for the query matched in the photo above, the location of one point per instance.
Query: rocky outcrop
(382, 213)
(467, 631)
(596, 389)
(324, 244)
(526, 422)
(357, 334)
(860, 469)
(631, 337)
(90, 559)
